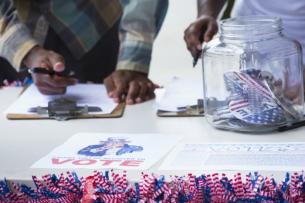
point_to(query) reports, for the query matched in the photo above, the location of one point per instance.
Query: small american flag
(251, 101)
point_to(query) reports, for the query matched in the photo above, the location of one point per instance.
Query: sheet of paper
(109, 151)
(250, 157)
(84, 94)
(179, 93)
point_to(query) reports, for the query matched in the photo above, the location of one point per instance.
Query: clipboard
(116, 113)
(188, 111)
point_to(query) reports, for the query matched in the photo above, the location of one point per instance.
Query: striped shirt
(81, 24)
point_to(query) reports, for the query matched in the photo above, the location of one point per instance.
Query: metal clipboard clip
(63, 109)
(194, 109)
(185, 111)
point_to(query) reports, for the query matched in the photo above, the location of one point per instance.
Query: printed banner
(109, 151)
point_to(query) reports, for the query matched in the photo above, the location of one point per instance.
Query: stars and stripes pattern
(213, 187)
(250, 101)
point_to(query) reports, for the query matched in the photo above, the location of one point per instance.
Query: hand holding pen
(47, 77)
(199, 53)
(200, 31)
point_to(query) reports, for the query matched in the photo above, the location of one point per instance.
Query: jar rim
(250, 28)
(251, 22)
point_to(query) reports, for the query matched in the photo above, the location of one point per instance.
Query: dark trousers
(94, 66)
(7, 72)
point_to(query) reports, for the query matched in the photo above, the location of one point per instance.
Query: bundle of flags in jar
(254, 101)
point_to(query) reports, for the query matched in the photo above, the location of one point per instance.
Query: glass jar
(253, 76)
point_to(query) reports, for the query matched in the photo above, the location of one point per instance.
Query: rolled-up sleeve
(15, 38)
(139, 27)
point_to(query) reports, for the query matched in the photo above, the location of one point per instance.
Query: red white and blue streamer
(114, 187)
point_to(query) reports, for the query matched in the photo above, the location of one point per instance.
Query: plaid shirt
(141, 22)
(80, 24)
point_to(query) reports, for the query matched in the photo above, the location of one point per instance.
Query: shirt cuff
(135, 53)
(15, 44)
(129, 65)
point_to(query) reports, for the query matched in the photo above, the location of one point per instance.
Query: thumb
(56, 61)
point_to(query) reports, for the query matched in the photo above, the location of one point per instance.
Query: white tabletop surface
(24, 142)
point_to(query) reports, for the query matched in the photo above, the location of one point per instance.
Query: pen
(38, 70)
(45, 71)
(291, 126)
(199, 53)
(196, 58)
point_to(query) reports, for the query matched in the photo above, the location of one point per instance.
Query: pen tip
(194, 63)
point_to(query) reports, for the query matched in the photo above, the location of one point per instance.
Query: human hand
(203, 29)
(131, 86)
(48, 84)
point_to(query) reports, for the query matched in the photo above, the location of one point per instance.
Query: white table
(24, 142)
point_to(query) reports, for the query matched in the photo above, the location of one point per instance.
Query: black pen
(196, 58)
(291, 126)
(39, 70)
(45, 71)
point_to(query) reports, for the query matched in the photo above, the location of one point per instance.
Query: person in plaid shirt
(97, 40)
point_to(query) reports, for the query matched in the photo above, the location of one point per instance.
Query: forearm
(210, 7)
(15, 38)
(139, 27)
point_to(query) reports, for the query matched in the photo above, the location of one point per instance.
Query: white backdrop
(170, 56)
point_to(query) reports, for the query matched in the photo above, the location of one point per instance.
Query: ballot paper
(239, 156)
(83, 94)
(109, 151)
(179, 93)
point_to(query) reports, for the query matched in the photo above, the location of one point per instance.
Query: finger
(57, 61)
(211, 31)
(45, 64)
(121, 89)
(110, 87)
(151, 85)
(156, 86)
(60, 82)
(186, 34)
(151, 91)
(41, 81)
(133, 92)
(64, 81)
(150, 95)
(193, 43)
(46, 90)
(143, 93)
